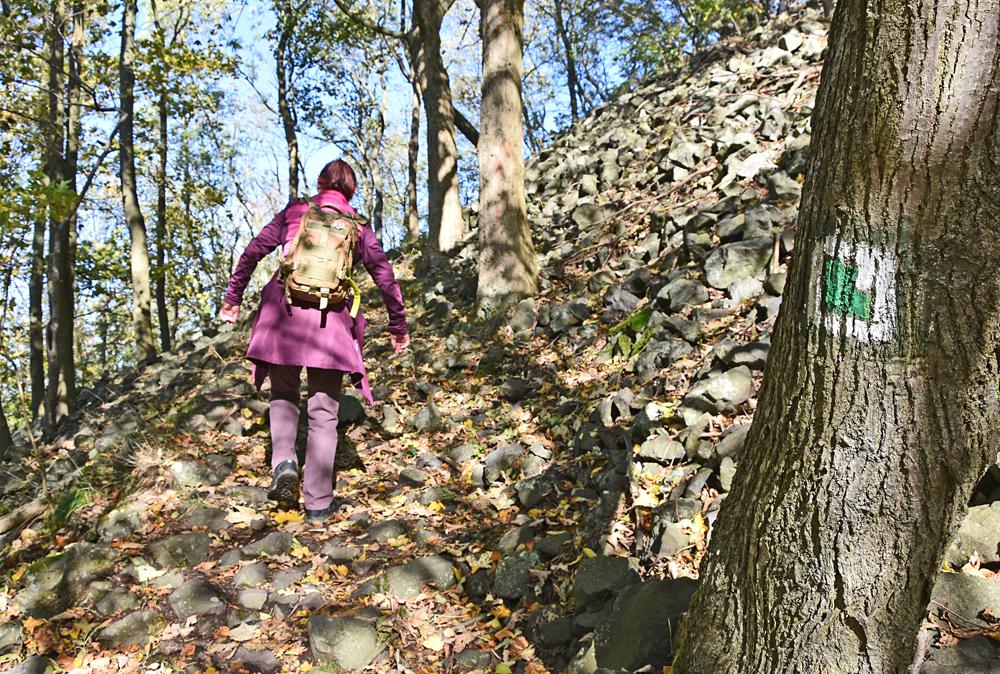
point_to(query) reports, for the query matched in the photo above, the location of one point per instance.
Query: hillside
(528, 495)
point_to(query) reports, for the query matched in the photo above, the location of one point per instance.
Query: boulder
(597, 577)
(735, 261)
(643, 624)
(53, 584)
(181, 550)
(512, 577)
(196, 597)
(135, 629)
(978, 534)
(346, 643)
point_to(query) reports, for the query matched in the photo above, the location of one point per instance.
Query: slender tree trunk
(378, 182)
(163, 151)
(55, 169)
(572, 81)
(6, 437)
(285, 107)
(36, 329)
(163, 316)
(411, 216)
(445, 223)
(508, 269)
(139, 258)
(878, 409)
(828, 7)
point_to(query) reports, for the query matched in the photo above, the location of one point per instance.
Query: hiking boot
(321, 515)
(285, 483)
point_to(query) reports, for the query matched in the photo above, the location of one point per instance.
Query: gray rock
(473, 659)
(619, 301)
(732, 441)
(381, 532)
(253, 599)
(54, 583)
(251, 575)
(558, 632)
(135, 629)
(11, 636)
(775, 283)
(978, 655)
(660, 354)
(588, 184)
(753, 355)
(407, 581)
(512, 577)
(122, 522)
(257, 661)
(967, 595)
(33, 664)
(351, 410)
(782, 187)
(533, 490)
(727, 470)
(660, 448)
(588, 216)
(347, 643)
(979, 533)
(565, 316)
(697, 483)
(515, 538)
(194, 474)
(197, 597)
(720, 392)
(681, 293)
(287, 578)
(213, 519)
(428, 419)
(413, 477)
(242, 494)
(461, 454)
(117, 600)
(515, 389)
(670, 539)
(741, 260)
(597, 577)
(641, 628)
(584, 662)
(523, 318)
(502, 460)
(274, 544)
(553, 545)
(181, 550)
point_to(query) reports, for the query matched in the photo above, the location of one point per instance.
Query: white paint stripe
(876, 275)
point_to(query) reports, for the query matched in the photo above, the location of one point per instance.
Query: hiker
(291, 330)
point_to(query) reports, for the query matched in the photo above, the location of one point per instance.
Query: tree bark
(508, 268)
(828, 7)
(6, 437)
(163, 151)
(284, 106)
(878, 409)
(36, 329)
(411, 216)
(57, 171)
(572, 80)
(445, 223)
(139, 257)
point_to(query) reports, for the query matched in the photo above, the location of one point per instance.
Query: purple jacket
(302, 334)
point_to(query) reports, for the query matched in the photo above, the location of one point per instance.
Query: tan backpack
(317, 268)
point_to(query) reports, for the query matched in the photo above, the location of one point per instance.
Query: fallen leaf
(435, 642)
(244, 632)
(288, 516)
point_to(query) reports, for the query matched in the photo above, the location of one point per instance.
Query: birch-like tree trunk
(508, 268)
(878, 409)
(411, 215)
(139, 256)
(445, 223)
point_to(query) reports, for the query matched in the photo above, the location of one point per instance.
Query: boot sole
(285, 489)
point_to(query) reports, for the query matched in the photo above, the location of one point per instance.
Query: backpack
(317, 266)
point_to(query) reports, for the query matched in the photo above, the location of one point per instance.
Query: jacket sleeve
(373, 258)
(269, 238)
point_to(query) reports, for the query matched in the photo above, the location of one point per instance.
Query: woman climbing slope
(290, 332)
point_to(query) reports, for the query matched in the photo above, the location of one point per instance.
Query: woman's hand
(229, 312)
(399, 342)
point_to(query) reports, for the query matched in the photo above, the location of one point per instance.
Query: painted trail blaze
(840, 292)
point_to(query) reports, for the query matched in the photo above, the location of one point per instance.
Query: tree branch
(463, 124)
(371, 25)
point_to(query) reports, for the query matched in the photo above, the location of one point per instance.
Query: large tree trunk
(445, 223)
(284, 105)
(139, 259)
(508, 269)
(879, 405)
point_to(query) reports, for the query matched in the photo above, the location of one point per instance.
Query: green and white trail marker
(855, 290)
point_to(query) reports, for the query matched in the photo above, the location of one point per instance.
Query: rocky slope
(529, 495)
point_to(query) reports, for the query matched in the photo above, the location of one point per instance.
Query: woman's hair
(338, 175)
